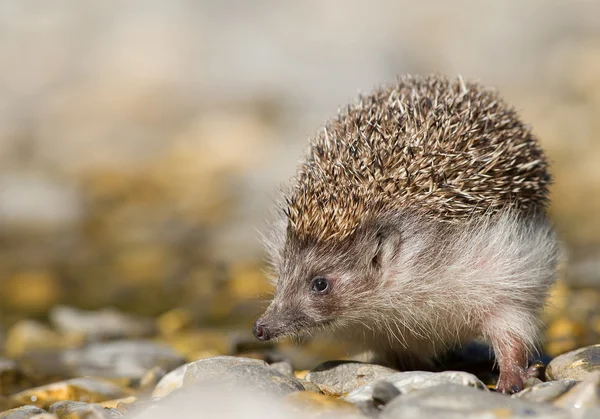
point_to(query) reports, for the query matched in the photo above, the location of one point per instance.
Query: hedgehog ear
(387, 245)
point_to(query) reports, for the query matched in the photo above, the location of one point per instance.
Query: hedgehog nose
(260, 330)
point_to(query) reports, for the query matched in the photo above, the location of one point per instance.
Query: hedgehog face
(325, 284)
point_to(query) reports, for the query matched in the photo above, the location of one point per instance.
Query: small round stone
(575, 365)
(338, 378)
(545, 392)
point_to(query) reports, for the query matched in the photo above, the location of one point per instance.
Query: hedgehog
(417, 222)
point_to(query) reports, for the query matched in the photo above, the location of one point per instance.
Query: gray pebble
(585, 394)
(283, 367)
(308, 386)
(384, 392)
(23, 412)
(121, 359)
(545, 392)
(83, 410)
(457, 401)
(210, 368)
(406, 382)
(261, 378)
(171, 381)
(104, 324)
(338, 378)
(574, 365)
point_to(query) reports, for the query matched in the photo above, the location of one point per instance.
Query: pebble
(407, 382)
(338, 378)
(459, 401)
(171, 381)
(116, 402)
(283, 367)
(574, 365)
(79, 410)
(30, 335)
(384, 392)
(104, 324)
(121, 359)
(210, 368)
(585, 394)
(23, 412)
(545, 392)
(261, 378)
(310, 404)
(79, 389)
(308, 386)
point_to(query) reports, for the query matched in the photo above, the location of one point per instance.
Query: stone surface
(116, 402)
(308, 386)
(29, 335)
(171, 381)
(406, 382)
(23, 412)
(79, 410)
(585, 394)
(77, 389)
(457, 401)
(210, 368)
(107, 323)
(283, 367)
(545, 392)
(310, 404)
(121, 358)
(260, 378)
(384, 392)
(574, 365)
(338, 378)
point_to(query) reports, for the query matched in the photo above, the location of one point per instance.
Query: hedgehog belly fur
(486, 279)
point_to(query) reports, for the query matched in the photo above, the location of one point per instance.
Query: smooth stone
(121, 359)
(384, 392)
(91, 390)
(29, 335)
(116, 402)
(458, 401)
(338, 378)
(171, 381)
(148, 381)
(283, 367)
(23, 412)
(307, 403)
(45, 416)
(210, 368)
(104, 324)
(68, 409)
(260, 378)
(575, 365)
(545, 392)
(308, 386)
(585, 394)
(406, 382)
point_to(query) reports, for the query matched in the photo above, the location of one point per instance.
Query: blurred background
(142, 145)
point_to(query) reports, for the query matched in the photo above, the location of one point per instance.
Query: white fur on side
(489, 279)
(438, 286)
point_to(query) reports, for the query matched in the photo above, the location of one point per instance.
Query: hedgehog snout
(260, 330)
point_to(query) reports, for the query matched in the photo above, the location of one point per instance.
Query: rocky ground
(107, 364)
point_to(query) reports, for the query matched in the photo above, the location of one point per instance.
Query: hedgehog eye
(319, 285)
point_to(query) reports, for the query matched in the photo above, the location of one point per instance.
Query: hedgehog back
(447, 149)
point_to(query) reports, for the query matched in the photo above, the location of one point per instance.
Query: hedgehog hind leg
(512, 341)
